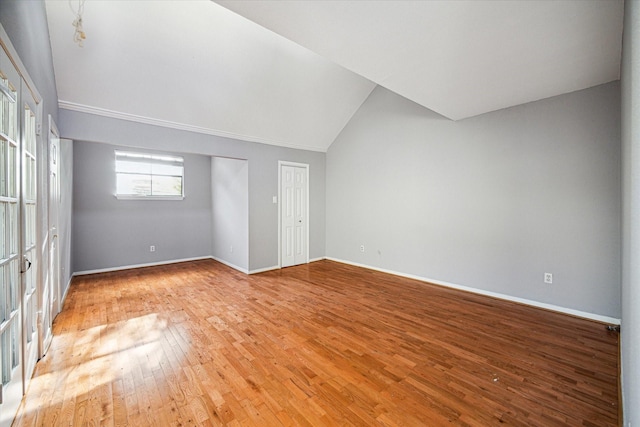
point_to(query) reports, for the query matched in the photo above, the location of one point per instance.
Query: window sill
(124, 197)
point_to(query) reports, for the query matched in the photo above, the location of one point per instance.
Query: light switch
(275, 200)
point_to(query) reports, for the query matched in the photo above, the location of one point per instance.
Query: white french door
(294, 236)
(18, 224)
(29, 231)
(10, 249)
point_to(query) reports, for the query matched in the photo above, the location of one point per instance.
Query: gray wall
(263, 173)
(66, 206)
(112, 233)
(230, 211)
(630, 330)
(491, 202)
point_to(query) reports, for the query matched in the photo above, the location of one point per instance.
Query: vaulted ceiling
(293, 73)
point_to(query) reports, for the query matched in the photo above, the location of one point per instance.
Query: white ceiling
(196, 65)
(458, 58)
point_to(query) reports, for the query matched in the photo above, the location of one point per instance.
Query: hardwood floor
(322, 344)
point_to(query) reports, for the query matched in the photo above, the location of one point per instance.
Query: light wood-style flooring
(321, 344)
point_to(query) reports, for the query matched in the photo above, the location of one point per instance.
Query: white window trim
(128, 197)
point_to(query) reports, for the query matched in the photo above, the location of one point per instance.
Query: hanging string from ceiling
(79, 35)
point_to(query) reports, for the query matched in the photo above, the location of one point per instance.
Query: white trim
(129, 267)
(552, 307)
(228, 264)
(72, 106)
(278, 207)
(157, 198)
(176, 261)
(263, 270)
(282, 163)
(64, 295)
(317, 259)
(621, 383)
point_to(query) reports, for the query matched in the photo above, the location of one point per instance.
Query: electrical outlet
(152, 248)
(548, 278)
(361, 248)
(231, 249)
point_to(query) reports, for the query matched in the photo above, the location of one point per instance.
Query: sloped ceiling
(195, 65)
(297, 78)
(458, 58)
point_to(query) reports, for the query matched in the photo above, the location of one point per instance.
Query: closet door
(11, 295)
(51, 290)
(293, 214)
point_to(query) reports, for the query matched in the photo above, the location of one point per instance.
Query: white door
(293, 214)
(51, 292)
(29, 232)
(19, 118)
(10, 244)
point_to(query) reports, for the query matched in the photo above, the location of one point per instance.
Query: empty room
(319, 213)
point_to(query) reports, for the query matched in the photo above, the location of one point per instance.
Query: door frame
(52, 276)
(305, 166)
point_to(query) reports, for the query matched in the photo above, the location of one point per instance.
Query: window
(149, 176)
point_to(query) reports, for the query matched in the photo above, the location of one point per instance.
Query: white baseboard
(153, 264)
(129, 267)
(570, 311)
(552, 307)
(262, 270)
(228, 264)
(66, 291)
(277, 267)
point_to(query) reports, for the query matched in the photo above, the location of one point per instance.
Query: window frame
(152, 158)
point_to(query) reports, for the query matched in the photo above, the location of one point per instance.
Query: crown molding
(81, 108)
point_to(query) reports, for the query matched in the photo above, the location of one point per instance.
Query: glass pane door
(10, 289)
(29, 228)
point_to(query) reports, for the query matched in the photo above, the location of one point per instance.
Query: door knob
(26, 265)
